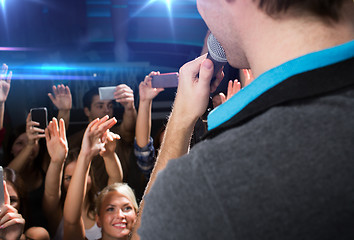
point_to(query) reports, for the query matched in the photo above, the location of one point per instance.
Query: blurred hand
(62, 98)
(5, 80)
(248, 76)
(11, 222)
(33, 133)
(94, 136)
(146, 92)
(57, 144)
(109, 141)
(125, 96)
(232, 88)
(193, 92)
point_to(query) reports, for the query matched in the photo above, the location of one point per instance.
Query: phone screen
(40, 115)
(166, 80)
(106, 93)
(2, 201)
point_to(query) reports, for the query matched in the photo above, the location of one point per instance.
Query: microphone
(216, 54)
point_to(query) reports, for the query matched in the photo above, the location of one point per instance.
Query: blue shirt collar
(275, 76)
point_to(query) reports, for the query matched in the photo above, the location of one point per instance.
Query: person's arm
(33, 134)
(11, 222)
(145, 157)
(62, 99)
(143, 122)
(91, 146)
(111, 160)
(57, 146)
(125, 96)
(190, 103)
(5, 80)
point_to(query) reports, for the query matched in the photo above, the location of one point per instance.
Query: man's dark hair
(89, 95)
(326, 9)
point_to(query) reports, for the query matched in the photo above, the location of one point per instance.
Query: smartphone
(2, 201)
(106, 93)
(40, 115)
(165, 80)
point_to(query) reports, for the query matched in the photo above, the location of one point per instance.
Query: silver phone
(106, 93)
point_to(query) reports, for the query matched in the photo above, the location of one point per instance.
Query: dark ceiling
(83, 43)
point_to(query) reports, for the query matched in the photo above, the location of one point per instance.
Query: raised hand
(11, 222)
(33, 133)
(57, 143)
(62, 98)
(146, 92)
(124, 95)
(232, 88)
(95, 134)
(5, 80)
(109, 140)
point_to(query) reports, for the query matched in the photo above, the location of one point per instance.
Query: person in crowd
(37, 233)
(62, 100)
(93, 143)
(26, 155)
(116, 204)
(17, 194)
(144, 149)
(16, 190)
(60, 171)
(277, 160)
(11, 222)
(96, 108)
(5, 82)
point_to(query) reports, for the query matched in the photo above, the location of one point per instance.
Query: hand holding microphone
(216, 54)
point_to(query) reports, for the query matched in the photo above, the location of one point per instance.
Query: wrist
(31, 143)
(87, 156)
(64, 110)
(129, 107)
(145, 102)
(57, 161)
(108, 155)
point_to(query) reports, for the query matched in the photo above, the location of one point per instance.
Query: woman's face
(14, 198)
(20, 143)
(68, 173)
(117, 216)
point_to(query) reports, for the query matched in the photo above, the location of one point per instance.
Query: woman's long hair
(91, 194)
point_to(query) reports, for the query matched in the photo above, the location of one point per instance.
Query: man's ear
(87, 111)
(98, 221)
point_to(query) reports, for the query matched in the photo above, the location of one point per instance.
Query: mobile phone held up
(40, 115)
(106, 93)
(165, 80)
(2, 201)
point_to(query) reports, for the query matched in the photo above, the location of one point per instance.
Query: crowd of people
(58, 184)
(275, 163)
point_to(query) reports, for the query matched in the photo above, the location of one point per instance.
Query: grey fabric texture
(286, 174)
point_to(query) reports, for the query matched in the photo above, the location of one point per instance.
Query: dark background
(85, 43)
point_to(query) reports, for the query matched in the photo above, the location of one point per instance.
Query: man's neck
(288, 39)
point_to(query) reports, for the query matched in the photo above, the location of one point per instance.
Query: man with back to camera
(277, 162)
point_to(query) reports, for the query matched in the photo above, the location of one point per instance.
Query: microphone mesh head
(215, 49)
